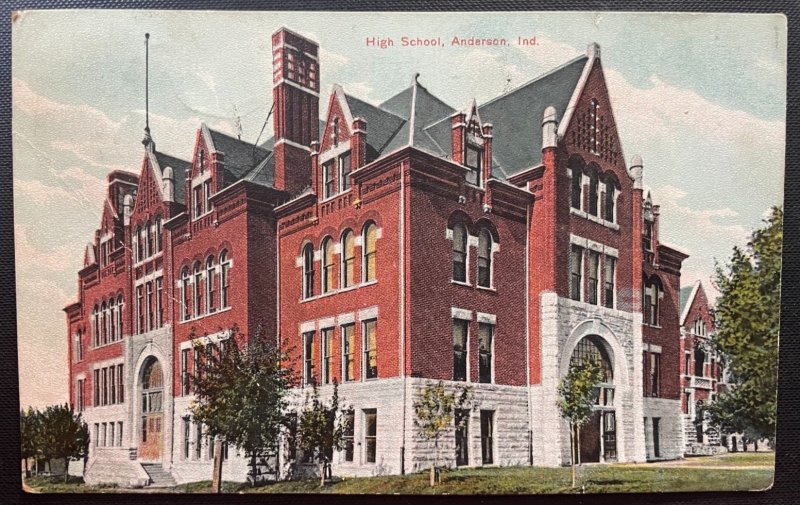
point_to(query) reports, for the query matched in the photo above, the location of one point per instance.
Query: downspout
(402, 307)
(528, 329)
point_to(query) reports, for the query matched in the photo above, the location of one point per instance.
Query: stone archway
(151, 422)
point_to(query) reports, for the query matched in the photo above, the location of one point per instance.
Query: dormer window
(344, 172)
(472, 159)
(335, 132)
(327, 178)
(201, 160)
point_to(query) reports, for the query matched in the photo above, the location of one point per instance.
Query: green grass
(56, 484)
(522, 480)
(734, 459)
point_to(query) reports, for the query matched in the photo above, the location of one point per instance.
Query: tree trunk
(322, 474)
(66, 470)
(216, 474)
(26, 468)
(435, 462)
(253, 468)
(573, 447)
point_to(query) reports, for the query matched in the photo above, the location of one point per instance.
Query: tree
(577, 397)
(64, 435)
(321, 428)
(30, 422)
(747, 320)
(433, 413)
(241, 395)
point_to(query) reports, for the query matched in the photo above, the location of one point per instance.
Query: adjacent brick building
(392, 246)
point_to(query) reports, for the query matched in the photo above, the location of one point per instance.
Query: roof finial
(148, 140)
(415, 79)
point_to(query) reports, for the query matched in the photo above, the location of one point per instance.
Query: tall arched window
(459, 253)
(185, 303)
(327, 264)
(197, 292)
(594, 192)
(576, 183)
(112, 320)
(592, 347)
(96, 326)
(225, 279)
(211, 284)
(119, 315)
(369, 251)
(609, 204)
(159, 231)
(150, 238)
(485, 259)
(348, 258)
(652, 301)
(139, 245)
(308, 271)
(103, 326)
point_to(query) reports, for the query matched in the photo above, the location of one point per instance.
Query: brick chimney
(358, 144)
(295, 95)
(458, 122)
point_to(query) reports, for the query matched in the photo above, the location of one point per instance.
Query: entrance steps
(158, 476)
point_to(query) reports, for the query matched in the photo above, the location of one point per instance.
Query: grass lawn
(521, 480)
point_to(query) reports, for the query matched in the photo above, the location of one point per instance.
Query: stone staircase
(158, 476)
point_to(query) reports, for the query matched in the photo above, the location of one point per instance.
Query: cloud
(32, 259)
(329, 59)
(37, 192)
(548, 53)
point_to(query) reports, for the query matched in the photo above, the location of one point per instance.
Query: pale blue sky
(701, 97)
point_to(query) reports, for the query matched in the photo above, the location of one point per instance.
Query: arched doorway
(598, 437)
(151, 439)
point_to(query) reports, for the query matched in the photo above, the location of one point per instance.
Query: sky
(701, 97)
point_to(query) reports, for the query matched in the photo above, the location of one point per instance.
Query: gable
(697, 307)
(339, 121)
(149, 191)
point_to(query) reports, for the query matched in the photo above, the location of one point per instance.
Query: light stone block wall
(671, 428)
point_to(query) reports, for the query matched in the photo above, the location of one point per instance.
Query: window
(197, 292)
(576, 185)
(610, 199)
(139, 244)
(472, 159)
(185, 371)
(699, 362)
(104, 386)
(96, 326)
(608, 278)
(348, 257)
(327, 179)
(370, 349)
(657, 437)
(207, 195)
(460, 336)
(335, 131)
(370, 435)
(225, 279)
(198, 201)
(648, 236)
(327, 355)
(149, 305)
(78, 346)
(119, 434)
(487, 437)
(348, 352)
(652, 296)
(112, 319)
(593, 277)
(187, 437)
(369, 249)
(344, 172)
(593, 192)
(687, 363)
(348, 434)
(196, 362)
(111, 438)
(120, 384)
(185, 304)
(652, 373)
(159, 302)
(79, 395)
(459, 253)
(327, 265)
(308, 271)
(112, 384)
(104, 324)
(119, 315)
(485, 259)
(594, 142)
(576, 272)
(211, 276)
(461, 419)
(308, 358)
(96, 388)
(159, 231)
(485, 336)
(151, 239)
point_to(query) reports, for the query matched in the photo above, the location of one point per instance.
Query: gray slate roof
(241, 157)
(179, 167)
(684, 295)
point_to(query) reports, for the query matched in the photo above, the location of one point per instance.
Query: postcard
(429, 252)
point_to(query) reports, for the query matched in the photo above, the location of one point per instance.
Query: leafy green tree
(241, 395)
(321, 428)
(577, 397)
(433, 413)
(747, 319)
(64, 435)
(30, 423)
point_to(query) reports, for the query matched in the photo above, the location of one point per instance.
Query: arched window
(308, 271)
(576, 184)
(225, 279)
(211, 284)
(139, 254)
(369, 251)
(652, 301)
(591, 347)
(327, 264)
(198, 291)
(151, 242)
(103, 326)
(185, 304)
(609, 204)
(152, 395)
(485, 259)
(159, 231)
(149, 305)
(119, 315)
(459, 253)
(112, 320)
(594, 191)
(348, 258)
(96, 326)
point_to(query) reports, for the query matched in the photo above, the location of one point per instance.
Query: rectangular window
(96, 388)
(149, 305)
(657, 437)
(103, 428)
(348, 351)
(197, 366)
(472, 160)
(96, 434)
(608, 278)
(112, 439)
(198, 201)
(344, 172)
(159, 303)
(185, 372)
(462, 436)
(460, 334)
(144, 429)
(687, 363)
(79, 395)
(198, 293)
(308, 357)
(120, 384)
(207, 195)
(327, 175)
(687, 401)
(655, 374)
(119, 434)
(104, 385)
(211, 288)
(225, 283)
(370, 435)
(185, 303)
(370, 349)
(576, 272)
(594, 264)
(187, 437)
(348, 434)
(576, 185)
(139, 309)
(112, 385)
(78, 347)
(485, 336)
(327, 355)
(487, 437)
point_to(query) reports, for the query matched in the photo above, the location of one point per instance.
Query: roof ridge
(249, 144)
(376, 107)
(537, 78)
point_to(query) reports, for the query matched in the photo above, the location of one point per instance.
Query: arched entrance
(151, 439)
(598, 437)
